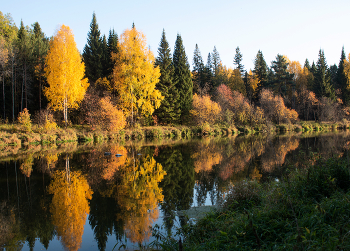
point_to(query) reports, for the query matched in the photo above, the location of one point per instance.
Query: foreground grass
(308, 209)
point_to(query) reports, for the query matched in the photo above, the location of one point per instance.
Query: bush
(204, 110)
(24, 120)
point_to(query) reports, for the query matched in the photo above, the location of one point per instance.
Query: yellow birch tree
(65, 73)
(134, 75)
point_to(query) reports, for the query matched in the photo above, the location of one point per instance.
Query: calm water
(95, 197)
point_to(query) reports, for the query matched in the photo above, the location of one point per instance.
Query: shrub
(205, 110)
(24, 120)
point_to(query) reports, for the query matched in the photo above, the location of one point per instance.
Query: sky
(297, 29)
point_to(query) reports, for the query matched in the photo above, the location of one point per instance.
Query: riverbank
(17, 135)
(308, 209)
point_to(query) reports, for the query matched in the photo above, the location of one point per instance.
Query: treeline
(126, 82)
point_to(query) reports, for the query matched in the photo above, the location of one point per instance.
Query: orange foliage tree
(205, 110)
(274, 108)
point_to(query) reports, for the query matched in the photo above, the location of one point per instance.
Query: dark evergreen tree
(313, 68)
(307, 64)
(237, 61)
(322, 80)
(105, 57)
(260, 71)
(112, 48)
(281, 80)
(169, 110)
(40, 48)
(182, 79)
(93, 52)
(198, 72)
(342, 80)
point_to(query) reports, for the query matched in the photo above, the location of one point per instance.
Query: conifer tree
(260, 72)
(169, 110)
(322, 81)
(198, 72)
(112, 48)
(182, 78)
(307, 64)
(238, 61)
(341, 78)
(281, 79)
(92, 53)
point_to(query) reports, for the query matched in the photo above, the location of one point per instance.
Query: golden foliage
(27, 165)
(24, 120)
(138, 194)
(134, 74)
(65, 72)
(70, 206)
(204, 110)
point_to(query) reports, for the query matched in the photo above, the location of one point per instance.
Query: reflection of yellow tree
(207, 155)
(70, 206)
(112, 164)
(139, 195)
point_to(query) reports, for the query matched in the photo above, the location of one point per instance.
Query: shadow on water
(103, 196)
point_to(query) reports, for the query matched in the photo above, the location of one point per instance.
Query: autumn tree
(135, 76)
(169, 110)
(182, 78)
(65, 73)
(346, 88)
(275, 109)
(205, 110)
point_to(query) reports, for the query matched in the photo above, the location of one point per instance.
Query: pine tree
(92, 53)
(238, 61)
(307, 64)
(260, 72)
(341, 78)
(198, 72)
(169, 111)
(112, 48)
(322, 81)
(281, 79)
(182, 79)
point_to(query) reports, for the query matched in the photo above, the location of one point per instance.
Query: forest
(117, 82)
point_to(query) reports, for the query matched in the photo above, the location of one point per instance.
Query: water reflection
(69, 206)
(47, 194)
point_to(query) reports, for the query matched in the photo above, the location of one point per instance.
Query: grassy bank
(17, 135)
(309, 209)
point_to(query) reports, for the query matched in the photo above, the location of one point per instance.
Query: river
(101, 196)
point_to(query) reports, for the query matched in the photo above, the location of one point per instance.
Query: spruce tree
(92, 53)
(323, 86)
(341, 79)
(307, 64)
(182, 79)
(260, 71)
(198, 71)
(238, 61)
(112, 48)
(169, 111)
(281, 80)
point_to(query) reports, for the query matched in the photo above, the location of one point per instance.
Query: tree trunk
(3, 93)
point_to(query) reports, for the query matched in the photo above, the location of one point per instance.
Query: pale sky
(297, 29)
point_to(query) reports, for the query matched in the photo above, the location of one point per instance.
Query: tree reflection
(69, 206)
